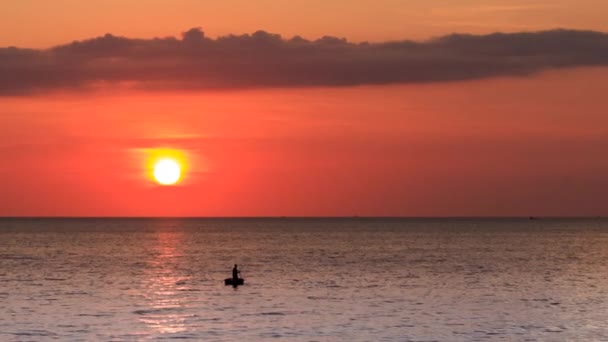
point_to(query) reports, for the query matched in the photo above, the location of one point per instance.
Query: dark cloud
(267, 60)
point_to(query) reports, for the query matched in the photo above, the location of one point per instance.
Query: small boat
(234, 282)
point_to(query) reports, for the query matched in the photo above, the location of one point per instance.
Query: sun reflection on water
(166, 286)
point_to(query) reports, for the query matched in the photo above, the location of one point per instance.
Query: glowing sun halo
(167, 171)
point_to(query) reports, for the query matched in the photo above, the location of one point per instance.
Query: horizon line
(315, 217)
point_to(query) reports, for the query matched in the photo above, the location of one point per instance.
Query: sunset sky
(375, 108)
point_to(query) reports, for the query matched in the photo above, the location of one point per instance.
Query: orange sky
(42, 23)
(525, 145)
(499, 147)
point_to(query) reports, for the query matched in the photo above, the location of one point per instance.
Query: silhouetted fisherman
(235, 273)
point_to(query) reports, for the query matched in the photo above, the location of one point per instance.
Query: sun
(167, 171)
(166, 166)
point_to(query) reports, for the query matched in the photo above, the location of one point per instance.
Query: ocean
(305, 279)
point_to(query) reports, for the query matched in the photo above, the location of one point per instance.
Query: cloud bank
(263, 59)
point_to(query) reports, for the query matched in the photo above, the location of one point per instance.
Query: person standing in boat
(235, 272)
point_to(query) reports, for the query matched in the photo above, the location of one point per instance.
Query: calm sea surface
(306, 279)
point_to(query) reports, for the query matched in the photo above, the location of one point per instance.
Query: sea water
(306, 279)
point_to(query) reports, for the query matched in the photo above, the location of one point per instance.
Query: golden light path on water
(165, 287)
